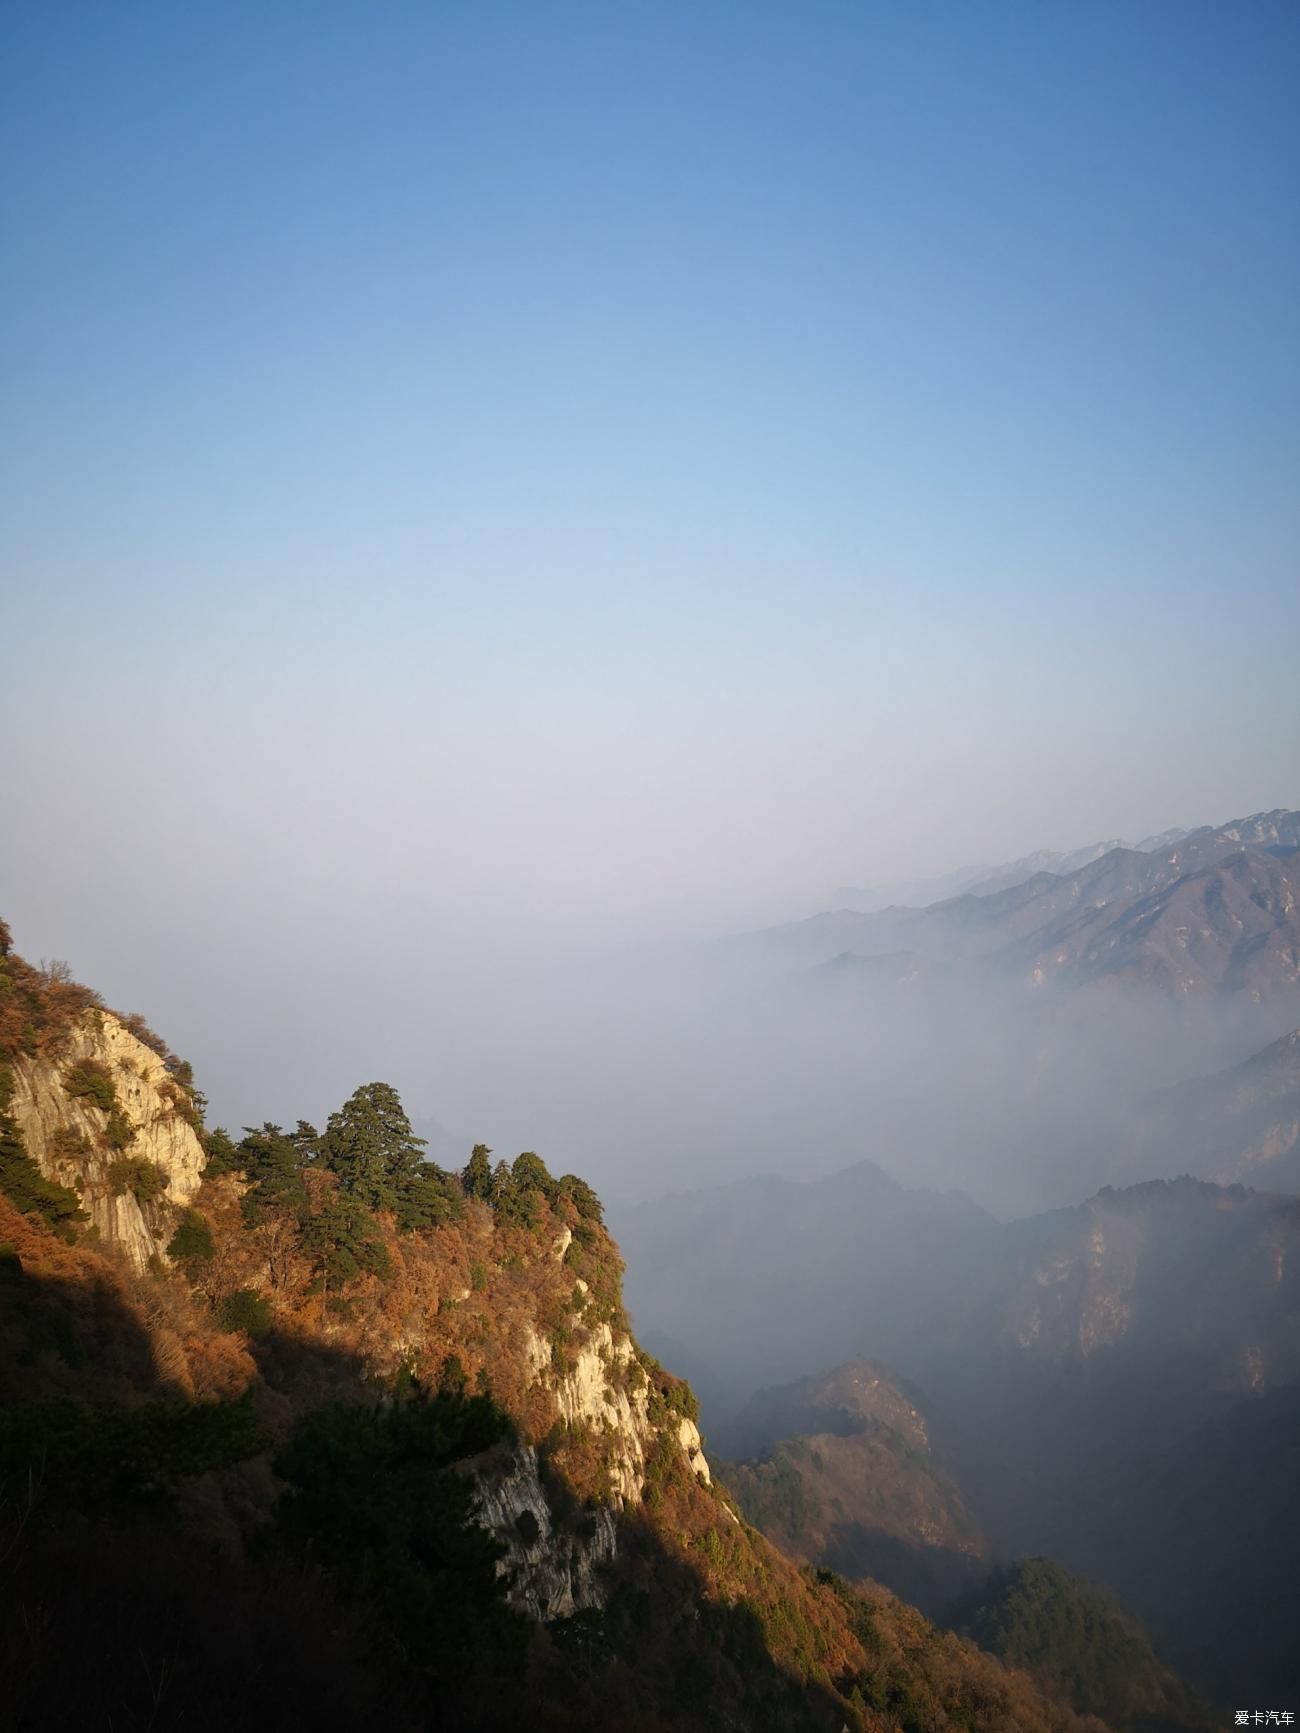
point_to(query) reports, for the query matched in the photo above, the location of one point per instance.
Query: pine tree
(510, 1203)
(369, 1144)
(344, 1241)
(477, 1176)
(220, 1149)
(581, 1195)
(272, 1160)
(530, 1173)
(427, 1199)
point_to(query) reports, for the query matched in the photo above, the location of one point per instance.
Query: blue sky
(594, 331)
(625, 467)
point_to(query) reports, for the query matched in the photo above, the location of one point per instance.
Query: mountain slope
(361, 1399)
(1215, 912)
(1241, 1124)
(1051, 1354)
(1196, 1533)
(837, 1469)
(982, 880)
(1232, 928)
(1075, 1637)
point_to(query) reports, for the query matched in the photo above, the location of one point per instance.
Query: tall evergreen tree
(477, 1177)
(369, 1144)
(530, 1173)
(428, 1198)
(510, 1201)
(581, 1195)
(220, 1149)
(272, 1160)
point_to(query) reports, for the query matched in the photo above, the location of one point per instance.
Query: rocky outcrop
(597, 1392)
(102, 1111)
(552, 1561)
(133, 1101)
(553, 1557)
(604, 1388)
(688, 1436)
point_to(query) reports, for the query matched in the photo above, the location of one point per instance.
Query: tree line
(376, 1165)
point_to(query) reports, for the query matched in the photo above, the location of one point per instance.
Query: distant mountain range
(1213, 914)
(1076, 1370)
(838, 1470)
(1200, 1281)
(984, 879)
(812, 1273)
(1239, 1124)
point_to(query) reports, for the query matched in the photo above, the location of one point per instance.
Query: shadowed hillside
(1075, 1637)
(1051, 1357)
(838, 1469)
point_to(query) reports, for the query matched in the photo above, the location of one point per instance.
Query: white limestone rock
(42, 1109)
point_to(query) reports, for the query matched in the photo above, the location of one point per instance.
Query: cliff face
(63, 1106)
(604, 1389)
(1172, 1274)
(551, 1560)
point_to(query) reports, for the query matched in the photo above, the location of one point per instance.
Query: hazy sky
(482, 478)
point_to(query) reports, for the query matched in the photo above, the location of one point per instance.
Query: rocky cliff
(105, 1117)
(552, 1562)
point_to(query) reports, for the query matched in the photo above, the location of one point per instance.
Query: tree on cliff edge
(369, 1144)
(477, 1177)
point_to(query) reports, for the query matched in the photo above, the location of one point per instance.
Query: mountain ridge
(1264, 827)
(1214, 914)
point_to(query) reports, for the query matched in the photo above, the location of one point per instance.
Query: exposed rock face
(592, 1394)
(688, 1436)
(552, 1559)
(1137, 1283)
(599, 1391)
(65, 1133)
(552, 1563)
(1082, 1295)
